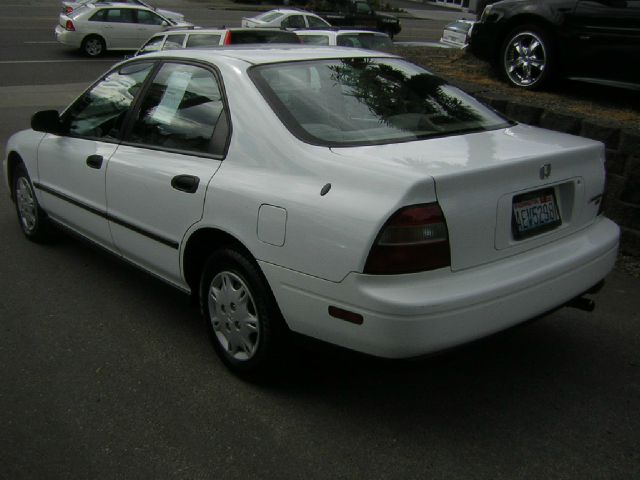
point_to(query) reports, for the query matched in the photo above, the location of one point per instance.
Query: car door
(147, 23)
(118, 27)
(606, 39)
(157, 179)
(72, 165)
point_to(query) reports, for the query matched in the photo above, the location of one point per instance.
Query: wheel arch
(200, 245)
(13, 160)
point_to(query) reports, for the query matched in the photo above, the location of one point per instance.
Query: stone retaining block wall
(622, 195)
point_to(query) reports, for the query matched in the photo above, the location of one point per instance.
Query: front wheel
(33, 220)
(244, 322)
(526, 57)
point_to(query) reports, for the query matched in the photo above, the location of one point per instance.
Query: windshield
(368, 101)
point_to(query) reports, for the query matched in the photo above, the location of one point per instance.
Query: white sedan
(70, 6)
(344, 195)
(285, 18)
(96, 28)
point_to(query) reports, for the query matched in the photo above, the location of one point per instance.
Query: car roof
(337, 31)
(264, 54)
(205, 31)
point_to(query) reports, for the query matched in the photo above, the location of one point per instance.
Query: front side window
(204, 40)
(315, 22)
(180, 110)
(368, 101)
(99, 113)
(315, 39)
(173, 42)
(149, 18)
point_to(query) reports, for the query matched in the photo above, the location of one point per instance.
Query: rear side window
(153, 45)
(195, 41)
(293, 21)
(315, 39)
(180, 111)
(117, 15)
(99, 113)
(365, 40)
(173, 42)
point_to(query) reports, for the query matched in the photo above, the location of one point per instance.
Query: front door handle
(185, 183)
(95, 161)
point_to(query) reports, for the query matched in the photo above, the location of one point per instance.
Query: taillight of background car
(414, 239)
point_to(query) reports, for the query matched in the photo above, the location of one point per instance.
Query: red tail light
(414, 239)
(69, 26)
(68, 9)
(227, 38)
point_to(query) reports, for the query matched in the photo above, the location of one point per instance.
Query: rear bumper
(65, 37)
(416, 314)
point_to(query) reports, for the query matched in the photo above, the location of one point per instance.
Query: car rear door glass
(203, 40)
(153, 45)
(100, 112)
(315, 39)
(294, 21)
(119, 15)
(173, 41)
(180, 110)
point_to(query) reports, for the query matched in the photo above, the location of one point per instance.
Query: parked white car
(356, 199)
(346, 38)
(285, 18)
(96, 28)
(457, 33)
(215, 37)
(70, 6)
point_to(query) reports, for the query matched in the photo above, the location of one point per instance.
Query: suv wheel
(526, 57)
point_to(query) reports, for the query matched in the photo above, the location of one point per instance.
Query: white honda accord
(342, 194)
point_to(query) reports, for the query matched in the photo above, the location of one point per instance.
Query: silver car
(95, 28)
(285, 18)
(70, 6)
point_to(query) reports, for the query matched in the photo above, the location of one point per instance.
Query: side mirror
(47, 121)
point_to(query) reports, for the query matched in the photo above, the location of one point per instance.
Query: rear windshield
(203, 40)
(314, 39)
(368, 101)
(255, 35)
(370, 41)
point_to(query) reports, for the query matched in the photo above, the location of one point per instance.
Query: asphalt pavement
(108, 373)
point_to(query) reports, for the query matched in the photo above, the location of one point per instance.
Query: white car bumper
(415, 314)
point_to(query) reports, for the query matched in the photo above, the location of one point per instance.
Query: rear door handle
(185, 183)
(95, 161)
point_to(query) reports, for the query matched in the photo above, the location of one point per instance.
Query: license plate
(535, 212)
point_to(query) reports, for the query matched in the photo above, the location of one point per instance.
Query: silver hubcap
(525, 59)
(93, 47)
(26, 204)
(233, 316)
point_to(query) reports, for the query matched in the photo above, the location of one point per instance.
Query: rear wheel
(526, 57)
(33, 220)
(244, 322)
(93, 46)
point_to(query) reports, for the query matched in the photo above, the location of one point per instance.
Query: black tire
(531, 65)
(33, 221)
(93, 46)
(243, 319)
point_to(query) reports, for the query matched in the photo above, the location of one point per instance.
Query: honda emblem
(545, 171)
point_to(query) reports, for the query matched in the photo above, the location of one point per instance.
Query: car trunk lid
(479, 178)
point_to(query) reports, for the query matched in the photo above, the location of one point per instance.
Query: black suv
(532, 41)
(356, 14)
